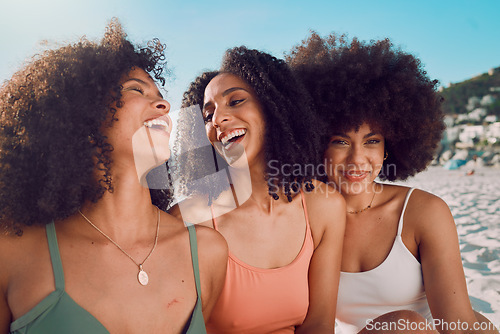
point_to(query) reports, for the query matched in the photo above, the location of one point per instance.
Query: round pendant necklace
(366, 208)
(142, 276)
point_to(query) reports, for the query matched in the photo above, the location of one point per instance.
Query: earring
(386, 155)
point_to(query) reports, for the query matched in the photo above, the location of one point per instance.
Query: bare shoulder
(326, 209)
(13, 246)
(428, 214)
(324, 197)
(211, 243)
(19, 253)
(200, 218)
(424, 204)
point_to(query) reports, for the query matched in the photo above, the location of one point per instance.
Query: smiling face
(142, 131)
(354, 159)
(234, 118)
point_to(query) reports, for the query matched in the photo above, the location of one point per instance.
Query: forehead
(223, 82)
(364, 128)
(138, 73)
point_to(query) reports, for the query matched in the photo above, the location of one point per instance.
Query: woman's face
(142, 131)
(354, 159)
(234, 118)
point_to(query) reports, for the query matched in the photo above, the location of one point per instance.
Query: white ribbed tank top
(395, 284)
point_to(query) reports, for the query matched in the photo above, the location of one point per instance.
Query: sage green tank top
(58, 313)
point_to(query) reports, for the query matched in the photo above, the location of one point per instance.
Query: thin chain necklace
(142, 276)
(366, 208)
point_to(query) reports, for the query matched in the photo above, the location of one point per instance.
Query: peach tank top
(257, 300)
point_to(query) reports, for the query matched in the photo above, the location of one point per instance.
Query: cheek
(333, 157)
(211, 133)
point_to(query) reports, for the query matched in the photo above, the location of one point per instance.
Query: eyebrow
(230, 90)
(144, 83)
(364, 137)
(225, 93)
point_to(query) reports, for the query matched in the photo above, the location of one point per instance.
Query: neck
(125, 213)
(260, 190)
(360, 201)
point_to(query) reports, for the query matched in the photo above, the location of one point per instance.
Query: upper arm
(444, 279)
(327, 214)
(212, 254)
(5, 315)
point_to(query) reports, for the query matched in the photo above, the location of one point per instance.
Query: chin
(348, 187)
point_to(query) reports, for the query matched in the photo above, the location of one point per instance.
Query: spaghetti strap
(400, 223)
(194, 257)
(55, 258)
(213, 217)
(305, 207)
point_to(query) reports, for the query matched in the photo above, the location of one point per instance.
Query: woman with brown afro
(284, 233)
(83, 249)
(383, 120)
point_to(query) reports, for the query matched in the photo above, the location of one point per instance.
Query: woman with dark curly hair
(383, 119)
(83, 248)
(284, 243)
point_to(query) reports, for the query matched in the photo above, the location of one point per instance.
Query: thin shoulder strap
(304, 206)
(400, 224)
(194, 257)
(55, 257)
(213, 217)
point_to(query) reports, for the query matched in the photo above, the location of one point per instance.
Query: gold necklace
(142, 276)
(368, 207)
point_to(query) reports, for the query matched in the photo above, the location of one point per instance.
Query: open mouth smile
(355, 175)
(161, 123)
(235, 136)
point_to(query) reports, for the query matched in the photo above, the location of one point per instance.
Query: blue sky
(455, 39)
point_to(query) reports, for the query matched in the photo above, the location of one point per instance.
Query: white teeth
(231, 135)
(159, 122)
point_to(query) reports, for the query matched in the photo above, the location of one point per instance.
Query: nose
(220, 116)
(161, 105)
(357, 156)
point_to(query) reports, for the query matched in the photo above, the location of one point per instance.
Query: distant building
(462, 117)
(477, 114)
(492, 133)
(492, 71)
(487, 100)
(471, 132)
(491, 119)
(449, 121)
(472, 103)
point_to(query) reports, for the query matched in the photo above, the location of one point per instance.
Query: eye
(208, 118)
(373, 141)
(339, 142)
(137, 89)
(232, 103)
(134, 88)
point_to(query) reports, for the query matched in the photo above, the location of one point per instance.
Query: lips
(162, 123)
(355, 175)
(228, 138)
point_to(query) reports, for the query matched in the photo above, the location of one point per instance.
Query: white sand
(475, 203)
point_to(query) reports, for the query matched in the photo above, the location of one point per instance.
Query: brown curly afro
(291, 138)
(52, 113)
(352, 82)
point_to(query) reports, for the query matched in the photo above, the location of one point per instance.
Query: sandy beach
(475, 204)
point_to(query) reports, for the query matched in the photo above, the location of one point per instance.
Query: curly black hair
(52, 113)
(291, 139)
(353, 82)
